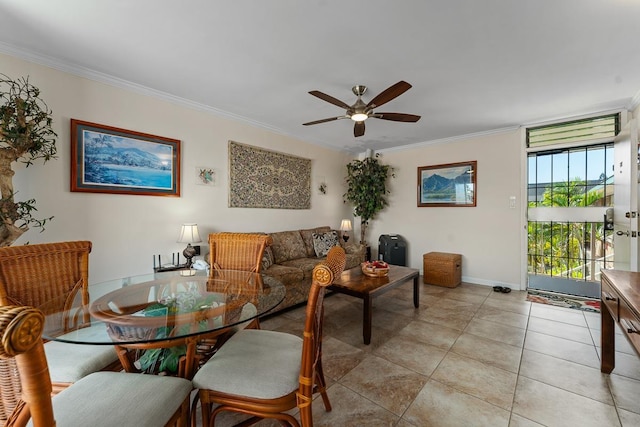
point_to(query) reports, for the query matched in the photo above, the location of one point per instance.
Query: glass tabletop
(161, 306)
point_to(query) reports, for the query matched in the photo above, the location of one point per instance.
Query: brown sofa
(292, 256)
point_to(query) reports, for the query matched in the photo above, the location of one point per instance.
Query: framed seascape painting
(452, 184)
(106, 159)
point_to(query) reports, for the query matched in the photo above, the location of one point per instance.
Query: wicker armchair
(99, 399)
(238, 251)
(262, 373)
(31, 275)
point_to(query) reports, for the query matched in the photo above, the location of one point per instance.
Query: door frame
(524, 152)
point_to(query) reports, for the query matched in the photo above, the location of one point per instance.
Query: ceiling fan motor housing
(359, 90)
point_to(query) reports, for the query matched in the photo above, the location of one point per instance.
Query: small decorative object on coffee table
(375, 268)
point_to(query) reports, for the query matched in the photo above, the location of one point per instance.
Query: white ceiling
(475, 66)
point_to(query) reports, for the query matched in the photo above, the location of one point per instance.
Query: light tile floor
(467, 357)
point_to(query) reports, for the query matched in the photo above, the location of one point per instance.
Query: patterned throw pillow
(322, 242)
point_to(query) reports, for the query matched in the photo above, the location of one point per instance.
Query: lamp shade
(189, 234)
(345, 225)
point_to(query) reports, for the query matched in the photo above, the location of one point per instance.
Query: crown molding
(104, 78)
(100, 77)
(635, 102)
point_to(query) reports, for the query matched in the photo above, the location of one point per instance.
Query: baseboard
(485, 282)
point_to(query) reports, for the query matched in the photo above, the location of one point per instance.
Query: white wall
(128, 230)
(488, 236)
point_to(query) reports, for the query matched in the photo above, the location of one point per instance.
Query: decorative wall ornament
(320, 184)
(260, 178)
(205, 176)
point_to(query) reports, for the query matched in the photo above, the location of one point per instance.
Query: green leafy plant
(367, 189)
(25, 135)
(167, 359)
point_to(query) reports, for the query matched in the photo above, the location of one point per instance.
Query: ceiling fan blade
(323, 120)
(330, 99)
(388, 94)
(397, 117)
(358, 129)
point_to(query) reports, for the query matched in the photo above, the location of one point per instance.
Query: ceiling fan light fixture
(359, 117)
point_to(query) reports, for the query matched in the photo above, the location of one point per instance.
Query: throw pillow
(307, 237)
(322, 242)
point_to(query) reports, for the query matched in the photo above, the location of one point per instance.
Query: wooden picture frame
(451, 184)
(106, 159)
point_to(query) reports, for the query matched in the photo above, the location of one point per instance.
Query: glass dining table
(167, 322)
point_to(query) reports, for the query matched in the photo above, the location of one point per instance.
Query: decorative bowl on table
(375, 268)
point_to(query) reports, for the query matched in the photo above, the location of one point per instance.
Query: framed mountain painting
(451, 184)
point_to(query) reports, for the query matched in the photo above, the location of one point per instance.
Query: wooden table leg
(607, 340)
(367, 319)
(125, 359)
(416, 293)
(190, 359)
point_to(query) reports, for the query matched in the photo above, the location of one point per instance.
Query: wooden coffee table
(353, 282)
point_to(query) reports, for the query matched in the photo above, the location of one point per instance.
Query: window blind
(578, 130)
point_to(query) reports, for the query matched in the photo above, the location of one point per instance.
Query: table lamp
(345, 226)
(189, 234)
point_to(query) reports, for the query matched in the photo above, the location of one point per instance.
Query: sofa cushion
(288, 276)
(322, 242)
(305, 265)
(287, 245)
(267, 258)
(307, 238)
(354, 260)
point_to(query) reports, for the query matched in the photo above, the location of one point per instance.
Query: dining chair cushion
(107, 399)
(249, 311)
(270, 361)
(70, 362)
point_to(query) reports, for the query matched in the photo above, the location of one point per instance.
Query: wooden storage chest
(442, 269)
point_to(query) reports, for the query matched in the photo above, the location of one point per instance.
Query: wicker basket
(442, 269)
(374, 271)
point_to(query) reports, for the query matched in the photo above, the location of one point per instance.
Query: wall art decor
(205, 176)
(105, 159)
(320, 185)
(260, 178)
(452, 184)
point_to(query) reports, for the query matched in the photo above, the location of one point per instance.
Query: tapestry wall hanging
(260, 178)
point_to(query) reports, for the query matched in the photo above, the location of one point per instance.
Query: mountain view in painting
(438, 189)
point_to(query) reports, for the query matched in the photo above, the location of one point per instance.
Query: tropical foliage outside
(568, 249)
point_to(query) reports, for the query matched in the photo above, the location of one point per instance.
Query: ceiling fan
(359, 111)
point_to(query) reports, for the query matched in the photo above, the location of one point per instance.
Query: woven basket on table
(374, 271)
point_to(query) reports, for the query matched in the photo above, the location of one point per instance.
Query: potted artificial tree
(25, 135)
(367, 190)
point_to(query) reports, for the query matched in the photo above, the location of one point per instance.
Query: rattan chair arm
(21, 332)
